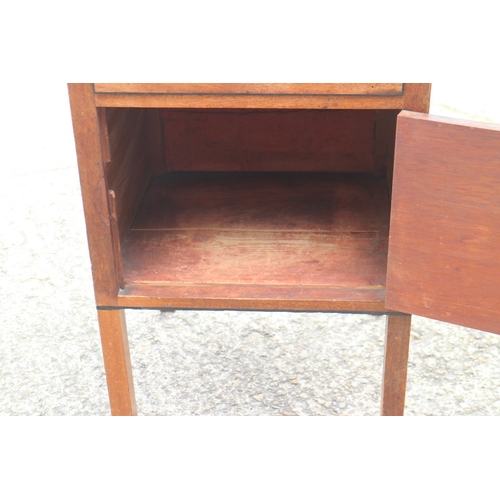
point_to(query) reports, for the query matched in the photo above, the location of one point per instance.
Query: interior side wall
(263, 140)
(129, 169)
(385, 136)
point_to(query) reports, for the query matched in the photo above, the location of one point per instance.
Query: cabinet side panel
(94, 191)
(445, 222)
(242, 140)
(129, 170)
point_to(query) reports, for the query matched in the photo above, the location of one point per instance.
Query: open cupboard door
(444, 243)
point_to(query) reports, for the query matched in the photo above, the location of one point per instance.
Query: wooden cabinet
(296, 197)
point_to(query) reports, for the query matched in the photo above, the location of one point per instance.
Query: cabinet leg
(117, 364)
(397, 343)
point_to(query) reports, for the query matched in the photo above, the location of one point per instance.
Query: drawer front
(319, 89)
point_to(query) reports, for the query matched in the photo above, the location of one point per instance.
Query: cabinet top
(387, 89)
(411, 96)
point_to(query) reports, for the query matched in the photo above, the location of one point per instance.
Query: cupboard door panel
(444, 245)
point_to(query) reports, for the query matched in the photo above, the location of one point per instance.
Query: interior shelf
(260, 239)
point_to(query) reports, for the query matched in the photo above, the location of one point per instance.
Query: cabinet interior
(251, 204)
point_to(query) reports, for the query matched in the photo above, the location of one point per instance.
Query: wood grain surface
(445, 221)
(260, 230)
(397, 345)
(249, 101)
(243, 140)
(253, 88)
(254, 298)
(417, 97)
(115, 233)
(413, 96)
(129, 170)
(155, 141)
(116, 354)
(87, 125)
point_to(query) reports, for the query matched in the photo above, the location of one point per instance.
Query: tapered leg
(117, 362)
(397, 343)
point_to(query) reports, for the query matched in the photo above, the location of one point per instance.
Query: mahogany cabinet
(286, 197)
